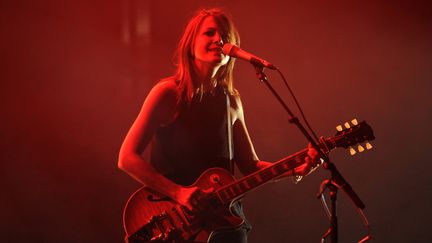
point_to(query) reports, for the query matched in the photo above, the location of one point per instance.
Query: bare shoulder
(165, 89)
(161, 102)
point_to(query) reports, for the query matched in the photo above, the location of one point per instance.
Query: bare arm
(158, 108)
(244, 151)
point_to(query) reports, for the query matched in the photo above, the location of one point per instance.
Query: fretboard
(238, 188)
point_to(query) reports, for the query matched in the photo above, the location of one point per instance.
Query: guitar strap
(229, 132)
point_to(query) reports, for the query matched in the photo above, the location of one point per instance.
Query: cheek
(199, 46)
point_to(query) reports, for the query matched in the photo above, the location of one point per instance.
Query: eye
(210, 33)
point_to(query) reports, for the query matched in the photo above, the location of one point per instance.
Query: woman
(194, 120)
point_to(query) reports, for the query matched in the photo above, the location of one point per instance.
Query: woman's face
(208, 44)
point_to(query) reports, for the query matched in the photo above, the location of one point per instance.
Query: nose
(218, 39)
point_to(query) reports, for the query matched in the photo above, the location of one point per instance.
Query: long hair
(185, 74)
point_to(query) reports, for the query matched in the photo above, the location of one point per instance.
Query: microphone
(234, 51)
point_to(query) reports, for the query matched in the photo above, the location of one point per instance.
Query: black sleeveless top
(195, 141)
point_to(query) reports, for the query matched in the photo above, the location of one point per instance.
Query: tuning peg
(352, 151)
(339, 128)
(347, 125)
(368, 146)
(354, 122)
(360, 148)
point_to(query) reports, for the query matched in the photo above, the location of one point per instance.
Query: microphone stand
(336, 181)
(333, 230)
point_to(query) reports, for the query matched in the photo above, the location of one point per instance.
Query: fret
(246, 184)
(226, 195)
(273, 170)
(220, 195)
(266, 175)
(258, 179)
(243, 186)
(279, 169)
(252, 181)
(232, 192)
(237, 189)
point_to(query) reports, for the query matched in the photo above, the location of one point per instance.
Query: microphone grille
(229, 49)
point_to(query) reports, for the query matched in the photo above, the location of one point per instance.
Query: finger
(208, 190)
(312, 152)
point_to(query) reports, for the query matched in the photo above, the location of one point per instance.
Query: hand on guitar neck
(312, 160)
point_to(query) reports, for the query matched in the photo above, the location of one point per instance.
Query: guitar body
(153, 217)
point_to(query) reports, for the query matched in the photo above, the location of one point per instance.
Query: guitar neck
(353, 134)
(238, 188)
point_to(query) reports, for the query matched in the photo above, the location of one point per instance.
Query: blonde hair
(184, 54)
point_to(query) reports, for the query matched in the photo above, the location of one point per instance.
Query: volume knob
(215, 178)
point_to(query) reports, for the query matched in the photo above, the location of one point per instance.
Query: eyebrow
(211, 28)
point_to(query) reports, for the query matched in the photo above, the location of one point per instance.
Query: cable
(298, 105)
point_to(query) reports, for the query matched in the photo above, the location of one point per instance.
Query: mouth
(215, 49)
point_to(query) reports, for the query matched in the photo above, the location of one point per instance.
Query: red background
(74, 75)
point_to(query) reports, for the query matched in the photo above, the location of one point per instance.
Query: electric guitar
(150, 216)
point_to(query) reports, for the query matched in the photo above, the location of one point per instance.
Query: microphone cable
(298, 105)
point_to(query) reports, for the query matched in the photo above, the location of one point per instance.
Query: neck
(205, 75)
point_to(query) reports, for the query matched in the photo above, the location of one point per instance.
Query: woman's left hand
(312, 160)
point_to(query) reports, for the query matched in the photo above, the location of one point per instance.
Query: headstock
(352, 134)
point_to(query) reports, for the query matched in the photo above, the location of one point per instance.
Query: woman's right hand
(190, 197)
